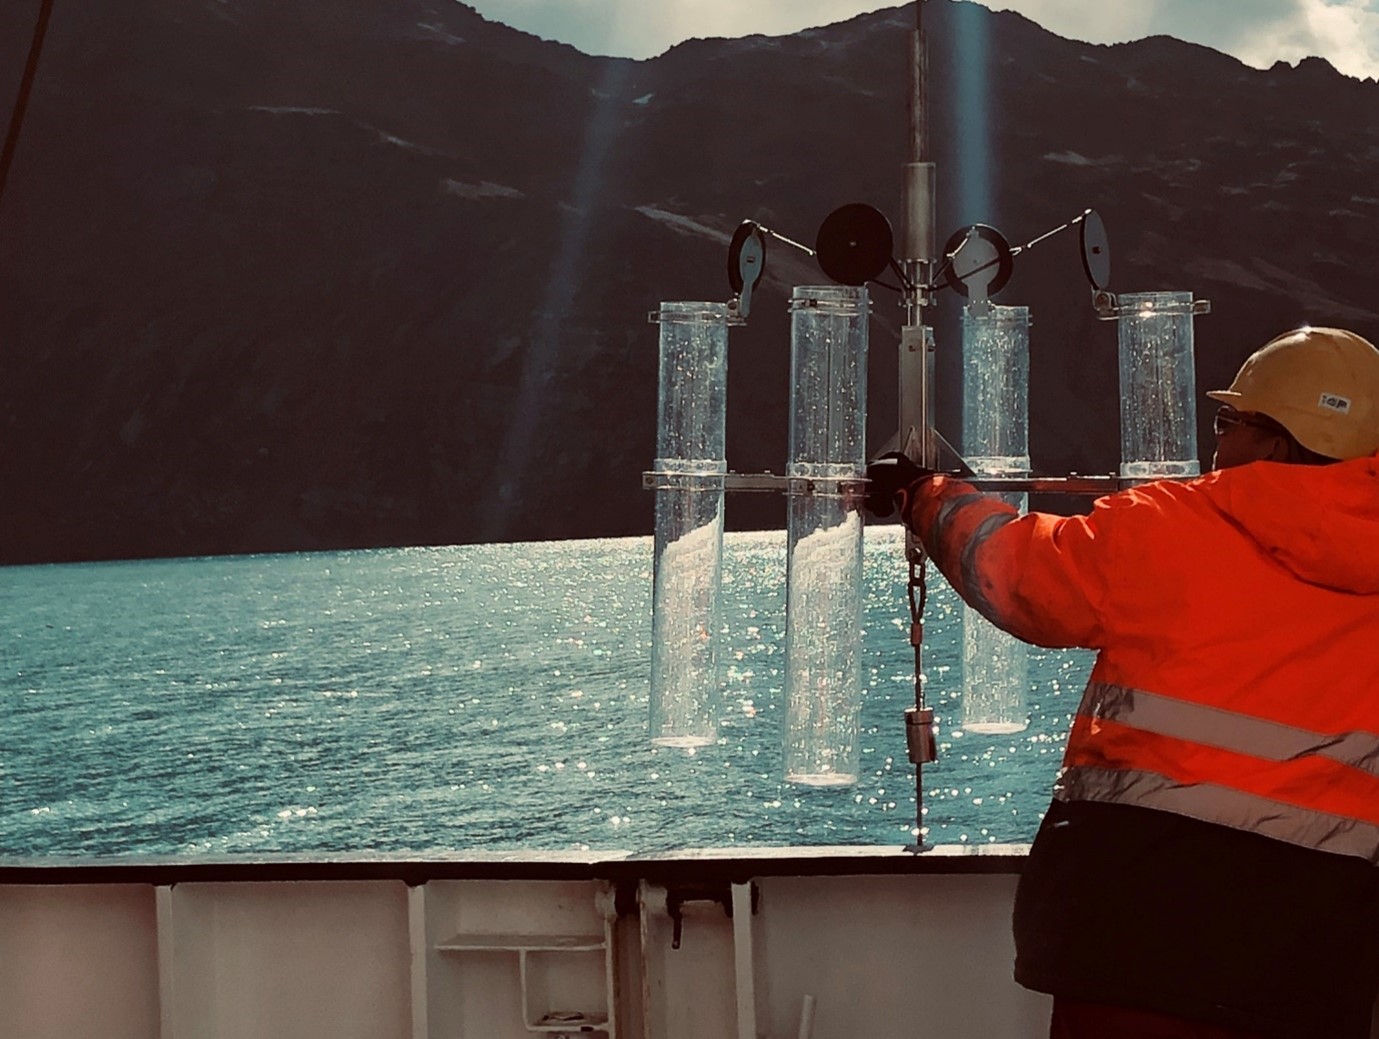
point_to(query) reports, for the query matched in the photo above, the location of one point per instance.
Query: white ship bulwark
(796, 943)
(818, 942)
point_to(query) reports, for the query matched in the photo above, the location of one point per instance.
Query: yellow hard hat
(1320, 384)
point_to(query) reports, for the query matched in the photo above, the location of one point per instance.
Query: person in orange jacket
(1207, 867)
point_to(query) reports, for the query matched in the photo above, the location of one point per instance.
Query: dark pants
(1074, 1020)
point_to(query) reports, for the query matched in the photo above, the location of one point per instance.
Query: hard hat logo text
(1333, 402)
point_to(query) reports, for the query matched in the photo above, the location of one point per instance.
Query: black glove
(892, 475)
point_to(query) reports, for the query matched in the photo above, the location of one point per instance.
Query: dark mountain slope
(287, 274)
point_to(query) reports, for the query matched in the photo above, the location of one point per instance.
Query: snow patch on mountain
(399, 142)
(1070, 159)
(292, 110)
(432, 31)
(483, 189)
(683, 224)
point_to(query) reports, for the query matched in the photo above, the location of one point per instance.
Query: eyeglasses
(1228, 417)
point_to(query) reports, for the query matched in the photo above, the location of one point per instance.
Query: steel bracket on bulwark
(679, 895)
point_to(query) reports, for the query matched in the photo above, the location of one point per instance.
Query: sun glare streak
(971, 95)
(527, 426)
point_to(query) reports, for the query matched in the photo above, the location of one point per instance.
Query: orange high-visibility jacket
(1237, 619)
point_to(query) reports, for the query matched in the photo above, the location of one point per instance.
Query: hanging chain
(920, 741)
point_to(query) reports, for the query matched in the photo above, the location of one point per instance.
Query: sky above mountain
(1258, 32)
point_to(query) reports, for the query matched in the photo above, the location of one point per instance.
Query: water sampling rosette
(690, 470)
(828, 418)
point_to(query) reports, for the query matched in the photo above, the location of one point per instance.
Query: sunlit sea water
(435, 700)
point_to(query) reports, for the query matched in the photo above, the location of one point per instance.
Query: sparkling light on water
(684, 657)
(822, 688)
(427, 701)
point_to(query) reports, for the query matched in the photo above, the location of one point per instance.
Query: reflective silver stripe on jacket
(1217, 727)
(967, 565)
(1222, 805)
(971, 578)
(938, 530)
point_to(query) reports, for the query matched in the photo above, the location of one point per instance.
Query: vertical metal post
(916, 355)
(920, 242)
(916, 364)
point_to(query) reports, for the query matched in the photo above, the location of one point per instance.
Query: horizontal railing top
(1096, 484)
(704, 864)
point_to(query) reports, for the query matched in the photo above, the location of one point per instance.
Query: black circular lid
(746, 255)
(854, 244)
(981, 261)
(1096, 251)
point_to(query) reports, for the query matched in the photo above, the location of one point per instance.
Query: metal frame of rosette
(824, 480)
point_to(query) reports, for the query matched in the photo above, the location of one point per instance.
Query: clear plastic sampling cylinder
(995, 388)
(823, 689)
(995, 669)
(1158, 385)
(995, 358)
(687, 586)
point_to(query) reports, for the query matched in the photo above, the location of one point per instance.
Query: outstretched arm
(1039, 577)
